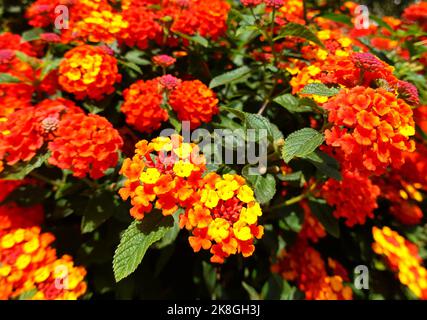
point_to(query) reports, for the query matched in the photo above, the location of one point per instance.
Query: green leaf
(291, 103)
(33, 34)
(258, 122)
(171, 235)
(246, 29)
(319, 89)
(253, 294)
(301, 143)
(338, 18)
(231, 76)
(264, 186)
(48, 66)
(21, 170)
(28, 295)
(174, 121)
(325, 164)
(197, 39)
(33, 62)
(134, 56)
(7, 78)
(293, 176)
(277, 289)
(132, 66)
(99, 208)
(135, 241)
(298, 30)
(323, 213)
(294, 220)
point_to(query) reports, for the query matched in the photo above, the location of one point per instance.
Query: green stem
(43, 178)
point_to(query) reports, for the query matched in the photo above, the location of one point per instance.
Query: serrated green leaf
(323, 213)
(171, 235)
(135, 241)
(319, 89)
(231, 76)
(291, 103)
(258, 122)
(264, 186)
(300, 31)
(7, 78)
(301, 143)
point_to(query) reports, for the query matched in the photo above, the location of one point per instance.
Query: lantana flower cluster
(403, 258)
(304, 265)
(169, 174)
(84, 144)
(29, 265)
(147, 102)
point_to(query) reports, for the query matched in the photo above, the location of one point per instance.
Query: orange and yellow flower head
(371, 129)
(164, 173)
(28, 263)
(304, 265)
(403, 258)
(224, 219)
(88, 71)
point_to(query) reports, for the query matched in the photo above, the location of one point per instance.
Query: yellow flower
(246, 194)
(31, 245)
(242, 231)
(209, 198)
(41, 274)
(161, 143)
(183, 151)
(313, 70)
(219, 229)
(251, 213)
(226, 188)
(19, 235)
(150, 176)
(5, 270)
(7, 241)
(324, 34)
(183, 169)
(23, 261)
(407, 130)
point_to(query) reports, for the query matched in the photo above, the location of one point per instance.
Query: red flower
(85, 144)
(354, 198)
(371, 129)
(142, 105)
(195, 102)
